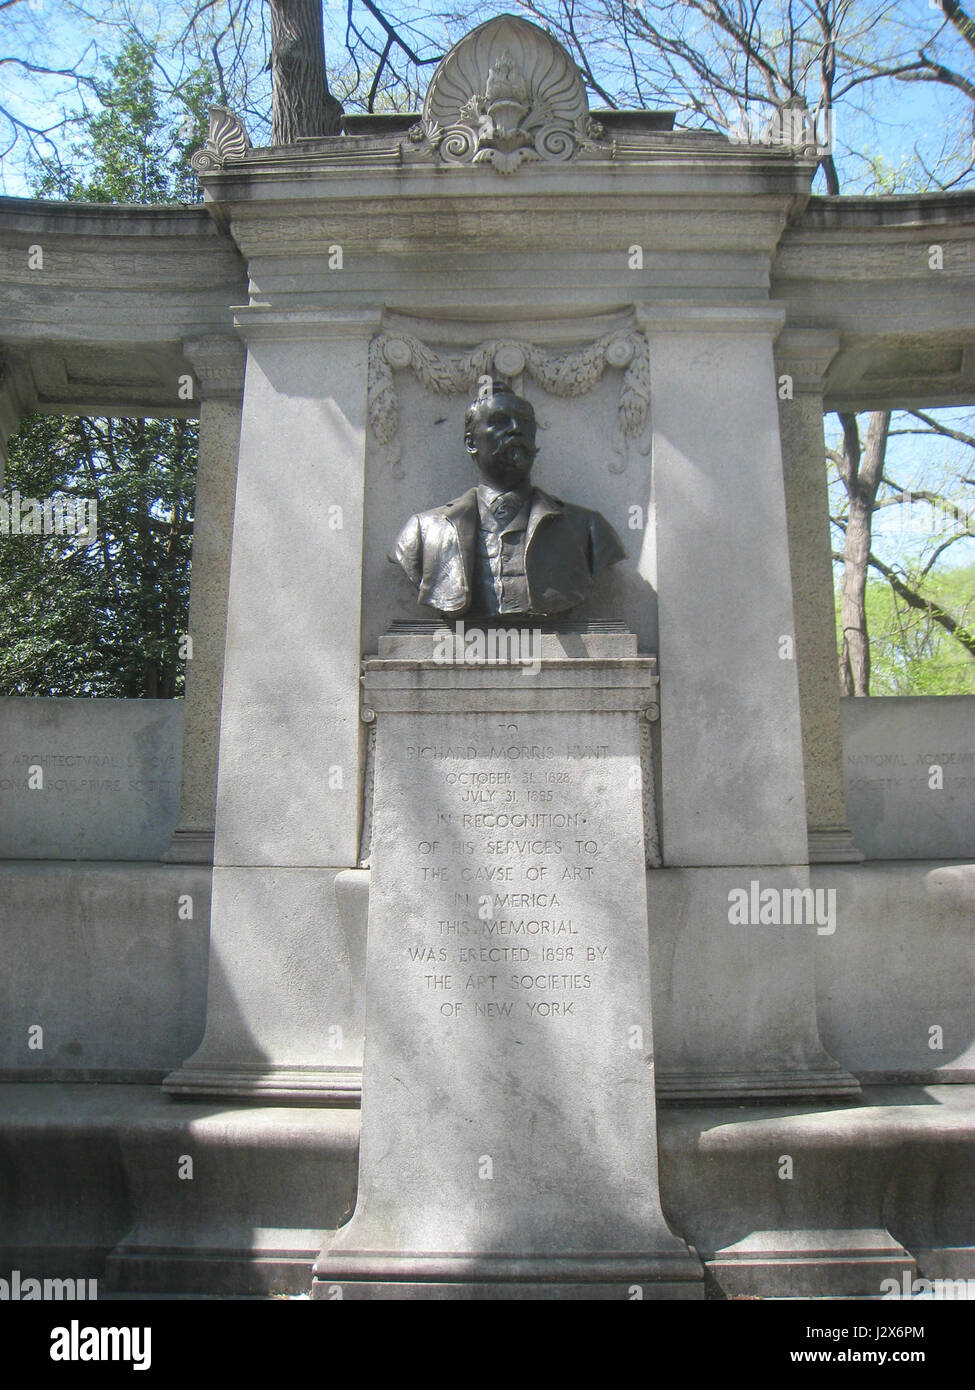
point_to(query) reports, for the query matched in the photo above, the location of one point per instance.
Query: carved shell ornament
(507, 93)
(226, 139)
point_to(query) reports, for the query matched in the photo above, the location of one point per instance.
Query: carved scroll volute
(226, 139)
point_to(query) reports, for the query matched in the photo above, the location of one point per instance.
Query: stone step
(90, 1188)
(153, 1195)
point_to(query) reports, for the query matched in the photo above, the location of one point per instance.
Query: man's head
(499, 434)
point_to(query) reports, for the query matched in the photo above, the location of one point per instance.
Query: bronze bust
(505, 549)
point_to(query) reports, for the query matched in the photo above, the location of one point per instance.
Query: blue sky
(886, 119)
(919, 463)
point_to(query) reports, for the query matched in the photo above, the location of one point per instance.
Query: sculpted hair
(500, 390)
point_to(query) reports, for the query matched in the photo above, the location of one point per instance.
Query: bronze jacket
(565, 548)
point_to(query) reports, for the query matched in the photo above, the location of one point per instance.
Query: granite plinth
(508, 1126)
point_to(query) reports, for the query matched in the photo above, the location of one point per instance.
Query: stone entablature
(549, 239)
(95, 314)
(141, 280)
(895, 276)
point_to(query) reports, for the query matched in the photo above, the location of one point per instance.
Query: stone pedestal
(508, 1128)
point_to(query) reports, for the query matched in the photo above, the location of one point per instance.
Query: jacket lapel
(462, 514)
(542, 506)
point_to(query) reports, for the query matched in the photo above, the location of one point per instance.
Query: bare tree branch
(962, 21)
(925, 605)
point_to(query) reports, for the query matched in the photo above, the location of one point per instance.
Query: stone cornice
(261, 321)
(686, 317)
(369, 154)
(106, 219)
(903, 210)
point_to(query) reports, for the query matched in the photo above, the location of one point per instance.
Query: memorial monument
(539, 847)
(508, 1116)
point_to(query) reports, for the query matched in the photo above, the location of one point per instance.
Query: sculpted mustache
(506, 445)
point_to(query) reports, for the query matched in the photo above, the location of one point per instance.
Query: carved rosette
(226, 139)
(563, 373)
(507, 94)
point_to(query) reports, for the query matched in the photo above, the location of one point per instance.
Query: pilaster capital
(218, 364)
(805, 354)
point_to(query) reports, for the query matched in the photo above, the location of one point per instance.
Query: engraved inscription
(509, 871)
(82, 774)
(888, 770)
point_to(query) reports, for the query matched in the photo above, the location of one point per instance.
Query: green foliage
(886, 178)
(106, 618)
(911, 654)
(100, 618)
(135, 149)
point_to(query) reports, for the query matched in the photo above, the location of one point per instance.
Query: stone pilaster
(287, 922)
(733, 802)
(218, 364)
(731, 769)
(803, 356)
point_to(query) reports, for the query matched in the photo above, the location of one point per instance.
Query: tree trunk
(862, 471)
(301, 104)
